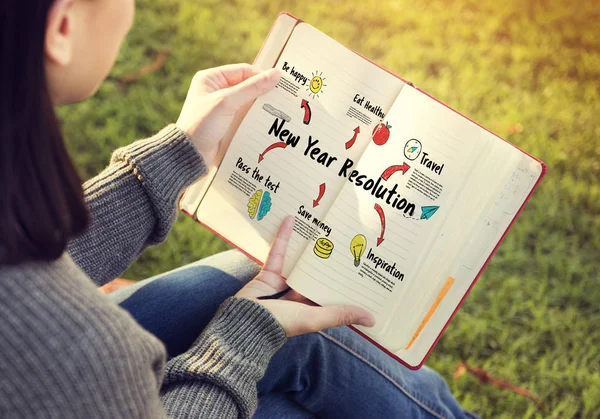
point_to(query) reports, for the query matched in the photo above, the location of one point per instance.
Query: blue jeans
(334, 373)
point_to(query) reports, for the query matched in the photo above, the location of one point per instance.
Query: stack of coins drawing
(323, 248)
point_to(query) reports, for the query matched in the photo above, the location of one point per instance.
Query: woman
(68, 351)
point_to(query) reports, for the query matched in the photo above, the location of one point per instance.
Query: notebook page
(285, 157)
(406, 206)
(493, 165)
(490, 226)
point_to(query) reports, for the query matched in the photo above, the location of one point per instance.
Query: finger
(234, 74)
(273, 280)
(334, 316)
(251, 88)
(274, 262)
(218, 78)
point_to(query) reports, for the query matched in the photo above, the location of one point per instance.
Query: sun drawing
(316, 84)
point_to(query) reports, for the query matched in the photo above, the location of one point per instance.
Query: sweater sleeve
(133, 202)
(217, 377)
(70, 352)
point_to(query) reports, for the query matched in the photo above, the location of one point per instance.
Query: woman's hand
(215, 96)
(296, 314)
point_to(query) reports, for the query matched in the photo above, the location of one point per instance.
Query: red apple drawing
(381, 133)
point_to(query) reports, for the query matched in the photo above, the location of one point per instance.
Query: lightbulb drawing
(357, 247)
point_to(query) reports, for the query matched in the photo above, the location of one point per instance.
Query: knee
(302, 354)
(311, 353)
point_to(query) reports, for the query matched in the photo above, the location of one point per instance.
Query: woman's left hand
(214, 97)
(296, 314)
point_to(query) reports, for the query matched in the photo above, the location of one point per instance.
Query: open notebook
(399, 200)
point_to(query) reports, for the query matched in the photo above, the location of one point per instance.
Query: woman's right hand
(214, 97)
(296, 314)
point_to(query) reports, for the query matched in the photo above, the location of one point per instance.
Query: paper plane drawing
(427, 212)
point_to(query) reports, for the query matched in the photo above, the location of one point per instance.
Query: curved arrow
(393, 169)
(307, 113)
(352, 140)
(321, 193)
(382, 219)
(261, 156)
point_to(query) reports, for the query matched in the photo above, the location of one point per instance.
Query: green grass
(533, 318)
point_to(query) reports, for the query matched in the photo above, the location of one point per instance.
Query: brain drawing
(253, 203)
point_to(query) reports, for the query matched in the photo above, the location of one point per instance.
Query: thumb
(340, 315)
(251, 88)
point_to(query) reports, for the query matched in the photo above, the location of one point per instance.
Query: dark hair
(41, 198)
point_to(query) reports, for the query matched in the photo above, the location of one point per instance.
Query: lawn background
(527, 70)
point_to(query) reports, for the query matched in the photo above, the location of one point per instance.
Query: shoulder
(66, 347)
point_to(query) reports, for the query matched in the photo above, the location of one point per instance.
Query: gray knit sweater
(67, 351)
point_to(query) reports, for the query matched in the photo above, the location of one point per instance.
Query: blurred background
(527, 70)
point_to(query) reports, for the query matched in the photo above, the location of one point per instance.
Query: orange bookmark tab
(438, 300)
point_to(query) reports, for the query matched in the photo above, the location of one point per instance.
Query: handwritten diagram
(393, 169)
(259, 204)
(253, 203)
(323, 248)
(357, 247)
(273, 146)
(381, 133)
(382, 220)
(276, 112)
(316, 84)
(322, 188)
(428, 211)
(307, 112)
(352, 140)
(412, 149)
